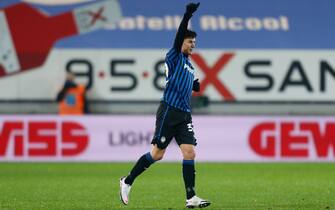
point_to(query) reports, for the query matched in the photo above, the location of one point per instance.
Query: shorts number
(190, 127)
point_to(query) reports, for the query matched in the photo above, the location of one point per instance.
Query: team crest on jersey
(189, 68)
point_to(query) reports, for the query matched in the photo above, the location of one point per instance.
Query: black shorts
(172, 122)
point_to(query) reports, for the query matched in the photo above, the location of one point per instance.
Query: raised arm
(190, 9)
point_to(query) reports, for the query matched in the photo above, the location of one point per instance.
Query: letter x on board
(96, 16)
(211, 75)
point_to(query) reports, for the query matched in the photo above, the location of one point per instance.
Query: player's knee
(187, 151)
(157, 157)
(157, 154)
(189, 155)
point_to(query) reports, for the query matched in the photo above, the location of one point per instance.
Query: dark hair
(190, 34)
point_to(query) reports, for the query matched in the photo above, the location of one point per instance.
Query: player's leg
(188, 153)
(144, 162)
(160, 141)
(187, 142)
(192, 200)
(141, 165)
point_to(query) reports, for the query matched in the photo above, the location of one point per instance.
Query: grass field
(246, 186)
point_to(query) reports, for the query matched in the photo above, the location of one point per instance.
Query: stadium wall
(123, 138)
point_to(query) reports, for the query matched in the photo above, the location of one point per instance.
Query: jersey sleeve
(178, 42)
(171, 60)
(172, 57)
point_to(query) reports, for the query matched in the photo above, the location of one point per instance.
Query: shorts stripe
(161, 127)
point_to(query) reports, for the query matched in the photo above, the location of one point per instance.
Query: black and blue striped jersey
(179, 80)
(179, 72)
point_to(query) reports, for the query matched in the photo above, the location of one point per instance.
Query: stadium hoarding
(139, 75)
(246, 52)
(124, 138)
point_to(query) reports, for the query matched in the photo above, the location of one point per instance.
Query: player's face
(188, 46)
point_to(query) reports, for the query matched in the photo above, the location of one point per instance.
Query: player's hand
(192, 7)
(196, 85)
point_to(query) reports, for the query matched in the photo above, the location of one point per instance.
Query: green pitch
(228, 185)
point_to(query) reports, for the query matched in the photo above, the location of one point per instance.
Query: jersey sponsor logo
(287, 139)
(42, 138)
(189, 68)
